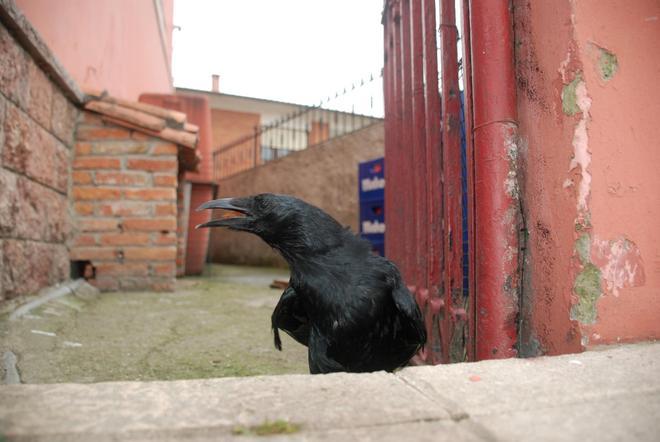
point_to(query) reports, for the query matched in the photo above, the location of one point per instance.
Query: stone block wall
(37, 124)
(125, 205)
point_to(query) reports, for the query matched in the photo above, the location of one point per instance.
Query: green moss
(607, 64)
(268, 428)
(583, 223)
(569, 97)
(588, 289)
(583, 248)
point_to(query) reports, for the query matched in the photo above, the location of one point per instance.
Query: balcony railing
(305, 127)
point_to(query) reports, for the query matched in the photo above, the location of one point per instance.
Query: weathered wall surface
(124, 192)
(324, 175)
(117, 45)
(36, 134)
(229, 125)
(588, 101)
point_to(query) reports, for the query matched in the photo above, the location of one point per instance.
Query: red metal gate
(425, 233)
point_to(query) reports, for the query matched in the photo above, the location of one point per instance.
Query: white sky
(296, 51)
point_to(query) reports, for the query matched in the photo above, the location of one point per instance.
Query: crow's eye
(261, 204)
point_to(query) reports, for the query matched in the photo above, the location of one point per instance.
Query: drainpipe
(497, 216)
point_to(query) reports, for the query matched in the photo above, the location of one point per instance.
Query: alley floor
(213, 326)
(198, 365)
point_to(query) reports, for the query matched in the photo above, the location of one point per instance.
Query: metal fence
(306, 126)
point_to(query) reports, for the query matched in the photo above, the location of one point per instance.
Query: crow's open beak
(234, 212)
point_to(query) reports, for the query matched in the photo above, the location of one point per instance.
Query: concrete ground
(185, 344)
(609, 395)
(213, 326)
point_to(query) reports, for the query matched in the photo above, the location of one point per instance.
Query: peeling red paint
(620, 263)
(609, 199)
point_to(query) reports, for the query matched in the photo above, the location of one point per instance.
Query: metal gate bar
(423, 173)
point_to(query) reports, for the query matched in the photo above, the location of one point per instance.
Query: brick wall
(125, 204)
(36, 134)
(232, 125)
(324, 175)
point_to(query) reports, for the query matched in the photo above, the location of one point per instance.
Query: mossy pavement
(215, 325)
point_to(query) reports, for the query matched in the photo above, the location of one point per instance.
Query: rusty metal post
(419, 146)
(467, 109)
(496, 201)
(408, 172)
(434, 189)
(395, 215)
(454, 321)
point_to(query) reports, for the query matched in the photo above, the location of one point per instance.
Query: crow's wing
(319, 360)
(290, 316)
(411, 316)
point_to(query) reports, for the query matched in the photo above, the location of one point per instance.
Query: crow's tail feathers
(276, 339)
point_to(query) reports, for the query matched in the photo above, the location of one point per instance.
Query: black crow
(349, 306)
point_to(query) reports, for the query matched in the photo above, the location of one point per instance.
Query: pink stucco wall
(589, 111)
(114, 45)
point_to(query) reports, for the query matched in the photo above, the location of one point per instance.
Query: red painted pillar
(434, 191)
(454, 323)
(469, 148)
(496, 201)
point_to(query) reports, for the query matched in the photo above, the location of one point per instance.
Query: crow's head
(284, 222)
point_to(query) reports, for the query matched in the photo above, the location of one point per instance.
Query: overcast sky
(289, 50)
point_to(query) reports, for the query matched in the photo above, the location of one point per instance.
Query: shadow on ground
(215, 325)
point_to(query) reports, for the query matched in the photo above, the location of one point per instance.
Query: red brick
(96, 193)
(91, 133)
(84, 241)
(163, 285)
(123, 239)
(96, 163)
(39, 95)
(164, 269)
(106, 284)
(83, 148)
(80, 177)
(124, 208)
(93, 253)
(151, 194)
(150, 253)
(165, 180)
(97, 225)
(84, 208)
(165, 239)
(91, 119)
(121, 178)
(165, 209)
(165, 149)
(119, 148)
(150, 224)
(122, 269)
(137, 135)
(152, 165)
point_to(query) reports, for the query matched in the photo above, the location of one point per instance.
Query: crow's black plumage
(347, 305)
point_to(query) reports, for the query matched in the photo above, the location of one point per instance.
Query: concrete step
(607, 395)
